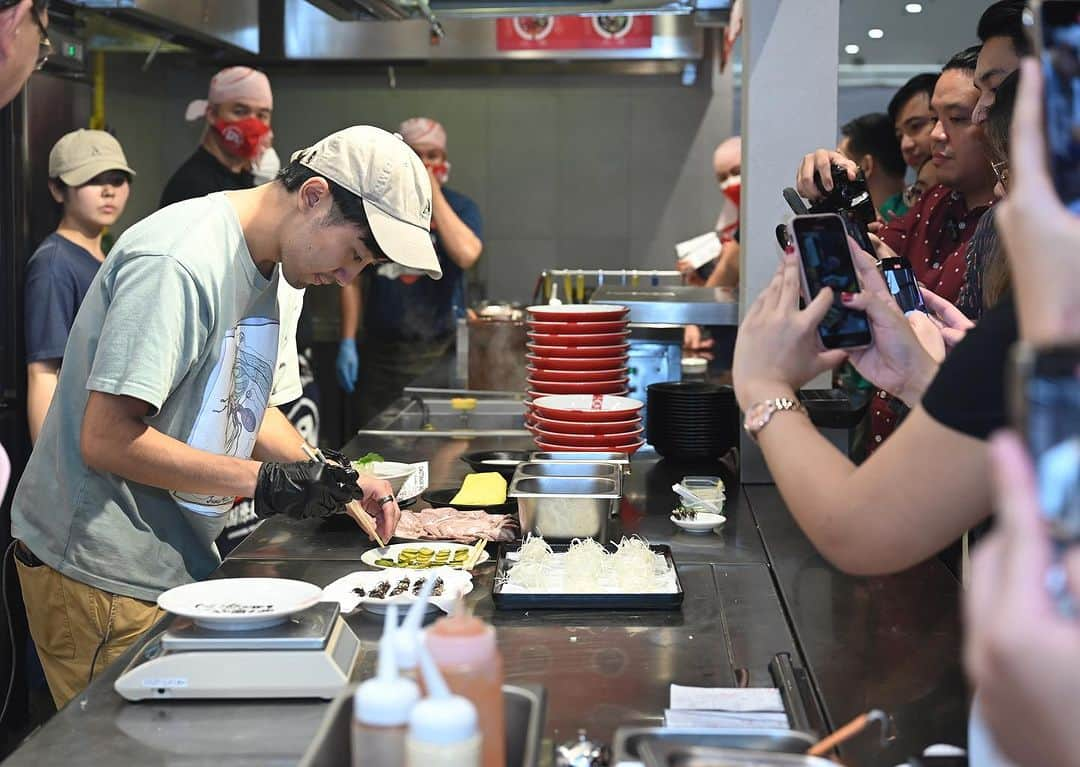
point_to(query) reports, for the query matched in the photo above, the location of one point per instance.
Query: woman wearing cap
(90, 179)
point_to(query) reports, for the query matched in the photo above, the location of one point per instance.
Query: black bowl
(441, 497)
(479, 460)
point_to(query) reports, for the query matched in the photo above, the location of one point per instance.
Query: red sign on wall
(568, 33)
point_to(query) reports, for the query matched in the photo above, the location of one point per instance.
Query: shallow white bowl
(704, 522)
(393, 472)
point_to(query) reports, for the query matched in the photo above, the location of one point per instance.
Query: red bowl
(583, 407)
(578, 327)
(599, 441)
(560, 426)
(578, 313)
(585, 387)
(587, 339)
(628, 449)
(576, 363)
(531, 396)
(576, 376)
(578, 351)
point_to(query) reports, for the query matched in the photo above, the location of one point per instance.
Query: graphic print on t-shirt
(235, 402)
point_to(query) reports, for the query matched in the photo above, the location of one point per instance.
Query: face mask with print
(731, 187)
(441, 170)
(728, 221)
(242, 138)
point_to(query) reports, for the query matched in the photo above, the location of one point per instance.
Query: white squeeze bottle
(443, 728)
(407, 636)
(381, 707)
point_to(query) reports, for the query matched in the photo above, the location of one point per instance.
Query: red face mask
(441, 170)
(242, 138)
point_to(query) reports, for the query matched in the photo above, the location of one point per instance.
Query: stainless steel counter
(754, 589)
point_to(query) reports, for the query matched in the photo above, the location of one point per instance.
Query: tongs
(354, 509)
(853, 728)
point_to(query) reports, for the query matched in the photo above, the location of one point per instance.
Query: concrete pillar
(789, 94)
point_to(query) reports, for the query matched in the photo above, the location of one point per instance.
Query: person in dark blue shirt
(410, 320)
(90, 179)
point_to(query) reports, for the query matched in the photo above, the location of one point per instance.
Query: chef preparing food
(165, 407)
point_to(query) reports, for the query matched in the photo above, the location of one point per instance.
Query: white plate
(392, 471)
(704, 522)
(391, 552)
(232, 604)
(457, 584)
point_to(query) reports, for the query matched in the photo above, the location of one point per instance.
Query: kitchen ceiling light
(851, 49)
(913, 7)
(875, 33)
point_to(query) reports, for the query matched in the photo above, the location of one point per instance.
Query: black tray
(583, 601)
(442, 496)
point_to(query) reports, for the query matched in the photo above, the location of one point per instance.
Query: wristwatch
(760, 413)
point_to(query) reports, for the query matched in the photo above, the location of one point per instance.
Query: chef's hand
(692, 340)
(777, 349)
(386, 514)
(953, 323)
(821, 161)
(1019, 652)
(304, 489)
(1041, 237)
(348, 364)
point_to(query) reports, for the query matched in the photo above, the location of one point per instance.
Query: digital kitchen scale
(311, 654)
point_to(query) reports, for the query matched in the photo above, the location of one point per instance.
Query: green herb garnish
(365, 462)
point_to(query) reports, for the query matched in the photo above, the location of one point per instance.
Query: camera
(851, 200)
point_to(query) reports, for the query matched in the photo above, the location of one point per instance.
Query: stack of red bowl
(587, 423)
(580, 351)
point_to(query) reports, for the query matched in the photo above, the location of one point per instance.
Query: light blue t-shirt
(180, 318)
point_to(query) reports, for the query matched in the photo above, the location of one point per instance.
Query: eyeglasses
(45, 47)
(1001, 170)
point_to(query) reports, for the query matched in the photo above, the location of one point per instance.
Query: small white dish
(240, 604)
(457, 583)
(393, 472)
(704, 522)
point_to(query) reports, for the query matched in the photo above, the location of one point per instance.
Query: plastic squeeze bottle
(407, 636)
(464, 649)
(443, 731)
(381, 707)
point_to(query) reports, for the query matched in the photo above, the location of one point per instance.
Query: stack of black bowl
(689, 420)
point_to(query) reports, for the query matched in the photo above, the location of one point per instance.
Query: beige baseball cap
(382, 170)
(80, 155)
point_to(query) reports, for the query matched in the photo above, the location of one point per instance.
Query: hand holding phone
(1057, 40)
(825, 262)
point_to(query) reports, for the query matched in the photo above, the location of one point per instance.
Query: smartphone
(902, 284)
(825, 260)
(1046, 409)
(1057, 39)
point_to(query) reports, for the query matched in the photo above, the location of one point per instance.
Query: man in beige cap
(236, 136)
(90, 179)
(410, 323)
(165, 408)
(24, 44)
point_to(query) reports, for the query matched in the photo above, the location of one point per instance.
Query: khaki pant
(71, 622)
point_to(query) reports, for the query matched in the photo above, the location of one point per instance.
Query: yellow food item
(484, 489)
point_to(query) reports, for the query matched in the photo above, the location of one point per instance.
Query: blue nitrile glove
(348, 364)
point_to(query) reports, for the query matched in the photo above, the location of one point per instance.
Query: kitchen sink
(432, 413)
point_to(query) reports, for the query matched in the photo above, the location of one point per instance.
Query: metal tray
(626, 745)
(623, 459)
(506, 601)
(659, 754)
(524, 707)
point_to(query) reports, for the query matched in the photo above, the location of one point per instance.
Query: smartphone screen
(1059, 47)
(902, 284)
(826, 262)
(1046, 394)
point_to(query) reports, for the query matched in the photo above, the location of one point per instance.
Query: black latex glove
(305, 489)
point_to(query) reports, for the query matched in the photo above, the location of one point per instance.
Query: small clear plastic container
(707, 489)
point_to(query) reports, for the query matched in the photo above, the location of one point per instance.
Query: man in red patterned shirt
(932, 235)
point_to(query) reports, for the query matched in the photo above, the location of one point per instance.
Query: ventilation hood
(208, 25)
(395, 10)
